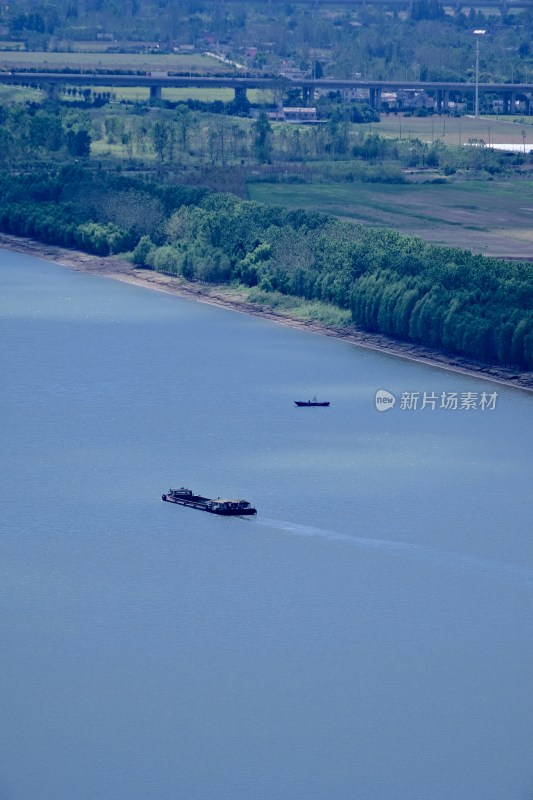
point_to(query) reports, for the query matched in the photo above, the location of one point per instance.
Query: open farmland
(450, 130)
(143, 62)
(20, 94)
(492, 218)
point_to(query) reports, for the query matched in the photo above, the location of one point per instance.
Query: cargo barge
(227, 508)
(310, 403)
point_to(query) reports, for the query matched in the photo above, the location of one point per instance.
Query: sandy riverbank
(225, 296)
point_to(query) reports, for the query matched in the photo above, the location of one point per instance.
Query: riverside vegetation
(444, 298)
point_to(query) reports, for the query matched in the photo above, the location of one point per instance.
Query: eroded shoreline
(117, 269)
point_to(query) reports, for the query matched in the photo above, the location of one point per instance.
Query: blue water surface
(366, 637)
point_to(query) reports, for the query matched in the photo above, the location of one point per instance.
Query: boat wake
(510, 573)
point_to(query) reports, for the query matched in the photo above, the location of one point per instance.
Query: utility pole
(477, 34)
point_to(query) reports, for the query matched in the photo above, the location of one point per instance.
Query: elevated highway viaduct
(504, 6)
(442, 90)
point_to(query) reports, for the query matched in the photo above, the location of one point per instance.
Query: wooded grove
(445, 298)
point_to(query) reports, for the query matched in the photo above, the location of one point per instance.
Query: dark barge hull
(307, 403)
(202, 504)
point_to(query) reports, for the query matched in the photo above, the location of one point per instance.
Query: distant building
(275, 116)
(391, 98)
(354, 94)
(300, 116)
(413, 98)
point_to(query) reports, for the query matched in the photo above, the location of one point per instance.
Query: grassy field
(296, 307)
(493, 218)
(19, 94)
(141, 94)
(456, 130)
(100, 148)
(148, 62)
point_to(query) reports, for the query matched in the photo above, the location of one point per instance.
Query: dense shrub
(401, 286)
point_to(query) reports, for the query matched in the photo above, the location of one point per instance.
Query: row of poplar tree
(444, 298)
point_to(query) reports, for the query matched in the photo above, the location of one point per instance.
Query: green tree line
(182, 139)
(445, 298)
(34, 132)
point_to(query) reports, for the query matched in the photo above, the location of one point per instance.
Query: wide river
(368, 636)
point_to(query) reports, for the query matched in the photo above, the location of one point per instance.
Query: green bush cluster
(444, 298)
(27, 209)
(441, 297)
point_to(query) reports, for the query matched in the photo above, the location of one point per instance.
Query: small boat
(226, 508)
(313, 402)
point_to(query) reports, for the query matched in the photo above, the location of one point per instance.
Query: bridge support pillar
(509, 102)
(505, 103)
(443, 98)
(52, 91)
(155, 93)
(375, 99)
(308, 94)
